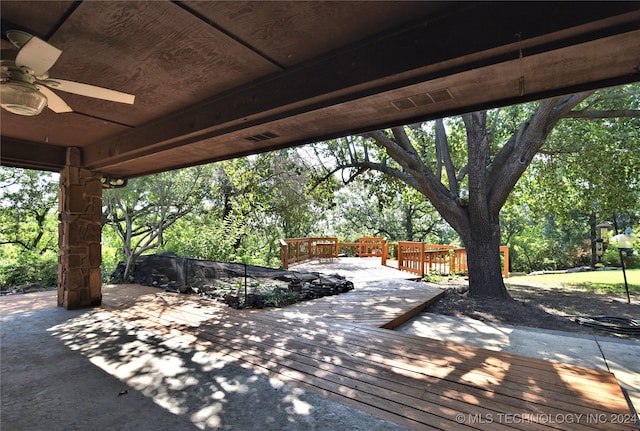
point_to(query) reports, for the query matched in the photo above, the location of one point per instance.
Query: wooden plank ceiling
(215, 79)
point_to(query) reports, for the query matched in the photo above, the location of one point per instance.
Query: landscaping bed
(237, 284)
(541, 305)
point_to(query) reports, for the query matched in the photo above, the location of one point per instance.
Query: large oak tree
(469, 195)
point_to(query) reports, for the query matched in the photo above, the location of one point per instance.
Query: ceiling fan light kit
(22, 98)
(113, 183)
(24, 82)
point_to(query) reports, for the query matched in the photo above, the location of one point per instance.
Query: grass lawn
(611, 281)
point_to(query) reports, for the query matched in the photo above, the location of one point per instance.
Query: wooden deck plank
(384, 340)
(332, 347)
(246, 349)
(305, 376)
(176, 316)
(371, 376)
(274, 332)
(341, 380)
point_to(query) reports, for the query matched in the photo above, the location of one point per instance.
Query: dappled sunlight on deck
(335, 347)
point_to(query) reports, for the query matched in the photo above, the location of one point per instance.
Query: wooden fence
(421, 259)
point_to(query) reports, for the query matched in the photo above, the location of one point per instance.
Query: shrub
(281, 298)
(611, 257)
(27, 268)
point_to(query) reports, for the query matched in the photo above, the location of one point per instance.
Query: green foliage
(280, 298)
(589, 165)
(433, 278)
(611, 257)
(544, 243)
(371, 208)
(142, 212)
(28, 203)
(587, 170)
(28, 227)
(252, 203)
(204, 236)
(111, 254)
(19, 267)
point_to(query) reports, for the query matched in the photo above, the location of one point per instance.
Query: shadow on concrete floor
(87, 370)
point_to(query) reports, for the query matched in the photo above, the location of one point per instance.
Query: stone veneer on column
(79, 235)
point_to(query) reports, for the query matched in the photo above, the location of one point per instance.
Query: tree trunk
(592, 238)
(408, 222)
(127, 269)
(483, 260)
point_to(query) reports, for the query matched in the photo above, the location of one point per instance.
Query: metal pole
(624, 272)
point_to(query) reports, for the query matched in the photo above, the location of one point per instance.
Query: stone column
(79, 235)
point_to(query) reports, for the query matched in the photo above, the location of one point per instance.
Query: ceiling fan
(25, 86)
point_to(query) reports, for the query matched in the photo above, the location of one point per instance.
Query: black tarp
(238, 284)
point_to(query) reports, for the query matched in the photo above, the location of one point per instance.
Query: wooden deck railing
(415, 257)
(298, 249)
(365, 247)
(421, 259)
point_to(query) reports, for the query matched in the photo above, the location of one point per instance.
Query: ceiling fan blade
(54, 102)
(37, 55)
(90, 91)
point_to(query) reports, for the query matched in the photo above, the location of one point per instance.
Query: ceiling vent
(441, 95)
(262, 137)
(422, 99)
(402, 104)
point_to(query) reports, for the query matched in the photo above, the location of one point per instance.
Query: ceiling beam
(32, 155)
(427, 50)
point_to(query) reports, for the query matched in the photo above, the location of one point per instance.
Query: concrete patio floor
(86, 370)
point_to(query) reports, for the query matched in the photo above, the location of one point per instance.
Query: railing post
(385, 250)
(505, 267)
(284, 254)
(452, 263)
(422, 272)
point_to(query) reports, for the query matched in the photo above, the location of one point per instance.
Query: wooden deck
(336, 347)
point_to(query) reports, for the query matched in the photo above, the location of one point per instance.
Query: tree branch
(614, 96)
(17, 242)
(419, 176)
(600, 114)
(516, 155)
(443, 143)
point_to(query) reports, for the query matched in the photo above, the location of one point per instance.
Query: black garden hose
(618, 325)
